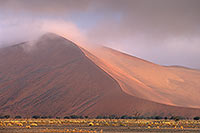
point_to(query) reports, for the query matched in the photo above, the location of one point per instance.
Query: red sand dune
(55, 77)
(168, 85)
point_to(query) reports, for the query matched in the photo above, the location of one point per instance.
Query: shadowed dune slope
(54, 77)
(168, 85)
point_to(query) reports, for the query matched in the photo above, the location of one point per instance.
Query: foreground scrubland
(97, 125)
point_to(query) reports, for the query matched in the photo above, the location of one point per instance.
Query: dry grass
(94, 125)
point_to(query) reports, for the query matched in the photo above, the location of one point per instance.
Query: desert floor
(96, 125)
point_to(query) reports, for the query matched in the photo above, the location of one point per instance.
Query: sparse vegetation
(82, 125)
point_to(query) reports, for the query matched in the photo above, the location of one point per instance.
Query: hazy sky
(166, 32)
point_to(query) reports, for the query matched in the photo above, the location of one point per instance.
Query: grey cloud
(163, 31)
(44, 7)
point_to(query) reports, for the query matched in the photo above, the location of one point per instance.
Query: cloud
(21, 30)
(66, 29)
(15, 30)
(23, 20)
(44, 7)
(163, 31)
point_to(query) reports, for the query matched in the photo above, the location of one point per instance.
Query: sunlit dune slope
(54, 77)
(143, 79)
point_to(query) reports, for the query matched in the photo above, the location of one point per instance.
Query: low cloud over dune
(163, 31)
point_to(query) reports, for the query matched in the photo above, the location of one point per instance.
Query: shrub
(7, 116)
(28, 126)
(66, 117)
(158, 117)
(196, 118)
(50, 117)
(91, 124)
(44, 117)
(99, 117)
(105, 117)
(33, 124)
(112, 117)
(18, 117)
(177, 118)
(36, 116)
(124, 117)
(74, 117)
(19, 124)
(81, 117)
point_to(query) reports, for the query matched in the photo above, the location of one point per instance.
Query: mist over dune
(77, 80)
(165, 32)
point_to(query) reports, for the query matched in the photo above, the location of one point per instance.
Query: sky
(165, 32)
